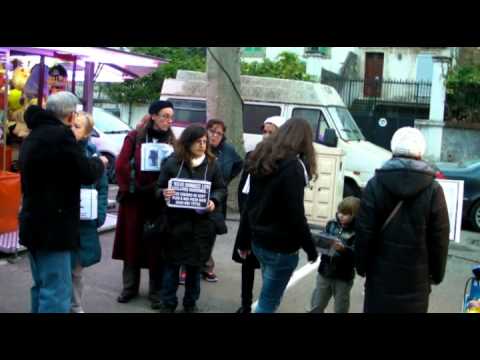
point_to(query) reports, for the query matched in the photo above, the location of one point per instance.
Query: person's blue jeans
(277, 269)
(52, 281)
(170, 285)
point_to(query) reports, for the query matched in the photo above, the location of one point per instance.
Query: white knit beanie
(275, 120)
(409, 142)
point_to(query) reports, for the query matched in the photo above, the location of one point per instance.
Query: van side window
(255, 115)
(189, 111)
(315, 118)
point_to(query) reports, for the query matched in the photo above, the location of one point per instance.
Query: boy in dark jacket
(336, 273)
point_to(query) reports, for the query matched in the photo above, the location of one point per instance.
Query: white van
(263, 97)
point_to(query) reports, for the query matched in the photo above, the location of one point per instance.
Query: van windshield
(346, 125)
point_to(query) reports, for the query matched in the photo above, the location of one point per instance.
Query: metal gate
(396, 105)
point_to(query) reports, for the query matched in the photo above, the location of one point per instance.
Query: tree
(147, 89)
(287, 66)
(463, 94)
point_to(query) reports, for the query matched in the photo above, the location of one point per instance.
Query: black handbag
(154, 230)
(219, 222)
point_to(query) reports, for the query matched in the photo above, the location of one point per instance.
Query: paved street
(103, 282)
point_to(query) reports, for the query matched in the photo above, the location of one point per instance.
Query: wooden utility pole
(224, 101)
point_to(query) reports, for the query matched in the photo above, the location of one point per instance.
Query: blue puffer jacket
(90, 252)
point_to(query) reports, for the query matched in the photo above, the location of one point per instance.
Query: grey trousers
(131, 282)
(77, 289)
(325, 289)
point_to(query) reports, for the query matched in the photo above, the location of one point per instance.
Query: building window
(253, 52)
(324, 52)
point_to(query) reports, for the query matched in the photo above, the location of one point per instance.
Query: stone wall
(460, 144)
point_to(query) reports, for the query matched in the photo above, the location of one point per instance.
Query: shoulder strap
(391, 216)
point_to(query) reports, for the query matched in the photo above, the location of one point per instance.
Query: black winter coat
(53, 166)
(251, 259)
(411, 253)
(274, 217)
(190, 236)
(340, 266)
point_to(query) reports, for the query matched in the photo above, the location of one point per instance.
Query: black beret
(158, 105)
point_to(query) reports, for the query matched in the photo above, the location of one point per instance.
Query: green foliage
(148, 88)
(463, 94)
(286, 66)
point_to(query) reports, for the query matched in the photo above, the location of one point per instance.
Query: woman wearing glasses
(231, 165)
(191, 233)
(136, 195)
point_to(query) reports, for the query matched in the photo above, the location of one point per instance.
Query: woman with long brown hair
(190, 232)
(273, 224)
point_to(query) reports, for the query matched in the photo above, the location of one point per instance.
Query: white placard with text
(453, 190)
(88, 204)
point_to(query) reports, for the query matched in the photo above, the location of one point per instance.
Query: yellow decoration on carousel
(14, 97)
(2, 86)
(20, 77)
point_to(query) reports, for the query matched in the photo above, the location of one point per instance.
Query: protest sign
(453, 190)
(88, 204)
(152, 155)
(189, 194)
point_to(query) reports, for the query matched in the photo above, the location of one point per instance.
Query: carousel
(28, 75)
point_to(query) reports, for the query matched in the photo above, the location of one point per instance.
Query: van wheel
(475, 216)
(112, 177)
(351, 190)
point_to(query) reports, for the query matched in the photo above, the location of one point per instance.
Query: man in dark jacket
(53, 167)
(403, 257)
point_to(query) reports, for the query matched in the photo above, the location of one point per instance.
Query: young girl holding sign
(191, 232)
(89, 251)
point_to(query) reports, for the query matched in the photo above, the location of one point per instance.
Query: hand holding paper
(168, 193)
(210, 206)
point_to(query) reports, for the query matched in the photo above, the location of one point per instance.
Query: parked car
(469, 172)
(108, 135)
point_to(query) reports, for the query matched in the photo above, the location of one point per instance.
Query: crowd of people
(396, 235)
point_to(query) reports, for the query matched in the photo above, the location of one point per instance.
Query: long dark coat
(90, 251)
(191, 235)
(402, 262)
(53, 166)
(138, 207)
(251, 259)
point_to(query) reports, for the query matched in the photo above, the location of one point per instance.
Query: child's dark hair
(349, 206)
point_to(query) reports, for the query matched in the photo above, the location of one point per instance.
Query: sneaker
(126, 297)
(165, 309)
(156, 305)
(183, 276)
(190, 309)
(244, 310)
(77, 311)
(210, 277)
